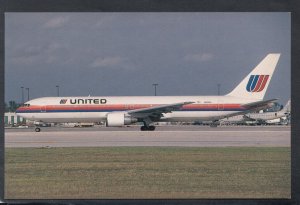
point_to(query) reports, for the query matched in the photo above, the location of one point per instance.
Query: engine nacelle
(117, 119)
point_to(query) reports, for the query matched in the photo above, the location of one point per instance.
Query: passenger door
(43, 108)
(220, 105)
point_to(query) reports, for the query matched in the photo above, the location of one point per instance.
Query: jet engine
(117, 119)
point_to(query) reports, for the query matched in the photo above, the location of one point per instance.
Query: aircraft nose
(18, 110)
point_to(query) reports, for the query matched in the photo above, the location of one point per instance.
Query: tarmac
(175, 136)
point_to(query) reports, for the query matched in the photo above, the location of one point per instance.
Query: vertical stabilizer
(255, 85)
(287, 107)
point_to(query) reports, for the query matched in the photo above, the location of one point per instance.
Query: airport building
(11, 119)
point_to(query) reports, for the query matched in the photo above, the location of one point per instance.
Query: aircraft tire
(143, 128)
(151, 128)
(37, 129)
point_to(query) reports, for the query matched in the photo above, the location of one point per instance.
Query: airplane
(266, 116)
(262, 118)
(246, 97)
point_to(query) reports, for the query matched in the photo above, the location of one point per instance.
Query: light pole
(219, 85)
(22, 88)
(27, 93)
(57, 90)
(155, 84)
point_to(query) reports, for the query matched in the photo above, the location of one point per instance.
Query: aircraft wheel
(37, 129)
(148, 128)
(152, 128)
(213, 125)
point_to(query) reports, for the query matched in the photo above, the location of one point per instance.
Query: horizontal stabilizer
(259, 105)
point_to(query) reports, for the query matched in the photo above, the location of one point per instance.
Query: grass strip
(147, 172)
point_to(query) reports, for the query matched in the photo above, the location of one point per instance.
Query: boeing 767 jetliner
(119, 111)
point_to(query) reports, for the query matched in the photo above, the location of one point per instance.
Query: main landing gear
(37, 129)
(148, 128)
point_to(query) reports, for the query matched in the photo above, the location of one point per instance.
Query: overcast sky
(112, 54)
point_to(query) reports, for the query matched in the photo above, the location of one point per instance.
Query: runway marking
(148, 141)
(12, 142)
(209, 137)
(187, 131)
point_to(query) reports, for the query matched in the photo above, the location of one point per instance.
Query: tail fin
(287, 107)
(256, 83)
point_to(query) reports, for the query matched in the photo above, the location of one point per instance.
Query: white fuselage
(95, 109)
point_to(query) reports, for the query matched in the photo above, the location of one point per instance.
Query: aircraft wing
(156, 112)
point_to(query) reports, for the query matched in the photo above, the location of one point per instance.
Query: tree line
(11, 106)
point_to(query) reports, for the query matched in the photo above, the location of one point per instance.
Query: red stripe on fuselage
(124, 107)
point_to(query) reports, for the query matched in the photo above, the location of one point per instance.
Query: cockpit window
(25, 105)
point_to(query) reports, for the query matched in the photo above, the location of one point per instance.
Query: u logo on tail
(257, 83)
